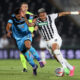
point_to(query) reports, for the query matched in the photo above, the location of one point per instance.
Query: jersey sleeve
(54, 15)
(10, 21)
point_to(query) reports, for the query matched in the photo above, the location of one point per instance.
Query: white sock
(68, 65)
(60, 58)
(43, 56)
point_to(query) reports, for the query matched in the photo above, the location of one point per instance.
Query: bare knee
(28, 44)
(55, 46)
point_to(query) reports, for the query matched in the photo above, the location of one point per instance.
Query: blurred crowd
(66, 27)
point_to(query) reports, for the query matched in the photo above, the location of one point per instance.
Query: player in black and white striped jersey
(47, 28)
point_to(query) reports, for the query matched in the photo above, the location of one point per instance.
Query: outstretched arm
(68, 13)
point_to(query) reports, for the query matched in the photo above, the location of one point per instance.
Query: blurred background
(68, 27)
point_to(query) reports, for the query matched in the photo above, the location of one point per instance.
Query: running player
(22, 35)
(24, 8)
(46, 26)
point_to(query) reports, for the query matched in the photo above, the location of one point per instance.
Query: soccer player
(24, 8)
(47, 28)
(22, 35)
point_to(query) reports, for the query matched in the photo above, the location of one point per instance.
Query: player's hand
(9, 34)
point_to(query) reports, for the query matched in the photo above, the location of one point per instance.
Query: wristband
(75, 12)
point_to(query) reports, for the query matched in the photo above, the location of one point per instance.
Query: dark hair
(41, 10)
(17, 11)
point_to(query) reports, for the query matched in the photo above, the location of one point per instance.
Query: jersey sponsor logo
(43, 23)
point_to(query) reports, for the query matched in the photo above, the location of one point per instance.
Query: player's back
(19, 28)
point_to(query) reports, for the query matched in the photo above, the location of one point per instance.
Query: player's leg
(58, 55)
(70, 67)
(36, 55)
(31, 62)
(42, 52)
(23, 61)
(43, 56)
(57, 50)
(55, 45)
(29, 57)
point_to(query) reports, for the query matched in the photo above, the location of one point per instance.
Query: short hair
(23, 3)
(17, 11)
(41, 10)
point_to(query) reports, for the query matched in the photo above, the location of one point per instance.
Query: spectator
(4, 42)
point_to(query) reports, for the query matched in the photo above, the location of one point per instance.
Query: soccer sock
(43, 56)
(70, 67)
(35, 54)
(30, 59)
(60, 58)
(23, 61)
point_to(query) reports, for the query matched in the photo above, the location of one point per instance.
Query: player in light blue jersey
(22, 35)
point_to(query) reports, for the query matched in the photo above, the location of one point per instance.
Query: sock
(34, 53)
(70, 67)
(43, 56)
(60, 58)
(23, 61)
(30, 59)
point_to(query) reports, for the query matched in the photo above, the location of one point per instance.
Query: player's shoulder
(52, 14)
(12, 16)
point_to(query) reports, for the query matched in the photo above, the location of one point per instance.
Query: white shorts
(57, 40)
(42, 43)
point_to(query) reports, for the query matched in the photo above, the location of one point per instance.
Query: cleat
(41, 64)
(66, 70)
(72, 71)
(35, 70)
(24, 70)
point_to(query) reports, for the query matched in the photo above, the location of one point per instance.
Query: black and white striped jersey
(47, 28)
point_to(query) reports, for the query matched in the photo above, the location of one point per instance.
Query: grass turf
(11, 70)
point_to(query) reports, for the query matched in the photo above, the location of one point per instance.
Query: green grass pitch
(12, 70)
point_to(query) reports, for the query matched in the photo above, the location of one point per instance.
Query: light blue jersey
(20, 31)
(19, 28)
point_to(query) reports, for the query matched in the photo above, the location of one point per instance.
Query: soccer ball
(59, 72)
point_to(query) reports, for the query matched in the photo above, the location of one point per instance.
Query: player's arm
(27, 22)
(30, 24)
(68, 13)
(35, 30)
(9, 32)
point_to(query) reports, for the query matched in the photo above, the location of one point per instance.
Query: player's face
(43, 16)
(18, 16)
(24, 7)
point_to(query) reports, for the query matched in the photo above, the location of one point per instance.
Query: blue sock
(29, 59)
(34, 53)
